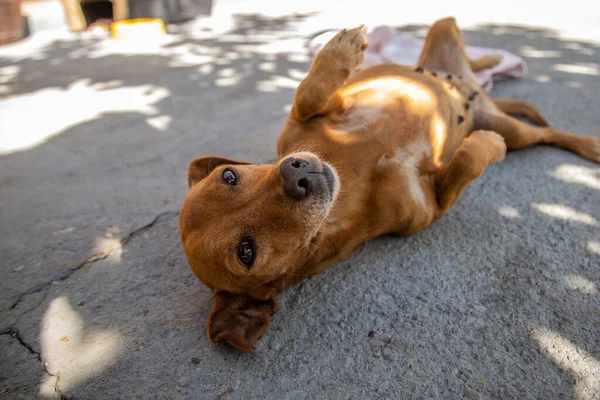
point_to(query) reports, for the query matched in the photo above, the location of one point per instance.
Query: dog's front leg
(479, 150)
(341, 56)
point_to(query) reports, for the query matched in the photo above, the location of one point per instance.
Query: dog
(383, 151)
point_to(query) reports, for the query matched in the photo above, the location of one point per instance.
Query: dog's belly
(398, 106)
(393, 128)
(397, 131)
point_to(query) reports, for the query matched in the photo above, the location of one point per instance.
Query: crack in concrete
(15, 333)
(42, 299)
(16, 389)
(90, 260)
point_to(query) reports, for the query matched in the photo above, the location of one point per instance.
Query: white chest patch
(408, 160)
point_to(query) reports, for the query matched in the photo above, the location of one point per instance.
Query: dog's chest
(363, 119)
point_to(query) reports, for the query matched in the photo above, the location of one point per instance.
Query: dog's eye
(229, 177)
(246, 252)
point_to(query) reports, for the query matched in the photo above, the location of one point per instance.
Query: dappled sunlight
(581, 69)
(571, 358)
(579, 48)
(563, 212)
(273, 47)
(105, 48)
(593, 247)
(57, 110)
(160, 123)
(298, 58)
(509, 212)
(297, 74)
(33, 47)
(268, 66)
(276, 83)
(580, 283)
(228, 80)
(190, 60)
(574, 85)
(582, 175)
(109, 244)
(531, 52)
(69, 351)
(542, 78)
(8, 74)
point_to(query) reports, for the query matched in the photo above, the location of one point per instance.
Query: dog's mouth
(332, 181)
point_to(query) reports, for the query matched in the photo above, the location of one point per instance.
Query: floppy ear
(240, 320)
(201, 167)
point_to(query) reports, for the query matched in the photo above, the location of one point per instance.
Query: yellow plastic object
(142, 29)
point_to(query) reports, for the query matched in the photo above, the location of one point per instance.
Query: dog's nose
(297, 179)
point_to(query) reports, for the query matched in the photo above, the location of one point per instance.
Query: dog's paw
(355, 38)
(489, 143)
(347, 47)
(588, 147)
(497, 57)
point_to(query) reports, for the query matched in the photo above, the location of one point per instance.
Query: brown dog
(387, 150)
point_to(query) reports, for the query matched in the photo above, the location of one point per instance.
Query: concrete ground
(499, 299)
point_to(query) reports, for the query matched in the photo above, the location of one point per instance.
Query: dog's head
(244, 226)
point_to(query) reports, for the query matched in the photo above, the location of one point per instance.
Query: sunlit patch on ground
(542, 78)
(7, 74)
(160, 122)
(60, 109)
(531, 52)
(563, 212)
(70, 352)
(583, 69)
(509, 212)
(275, 83)
(593, 247)
(580, 283)
(571, 358)
(587, 176)
(109, 244)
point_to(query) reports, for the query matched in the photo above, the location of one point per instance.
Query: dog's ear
(201, 167)
(240, 320)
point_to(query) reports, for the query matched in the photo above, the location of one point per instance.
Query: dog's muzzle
(303, 177)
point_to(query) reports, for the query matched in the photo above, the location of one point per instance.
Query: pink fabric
(388, 45)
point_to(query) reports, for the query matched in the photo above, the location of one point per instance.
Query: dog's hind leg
(519, 135)
(330, 70)
(485, 62)
(520, 108)
(469, 161)
(444, 50)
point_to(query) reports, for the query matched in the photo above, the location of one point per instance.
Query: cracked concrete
(497, 300)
